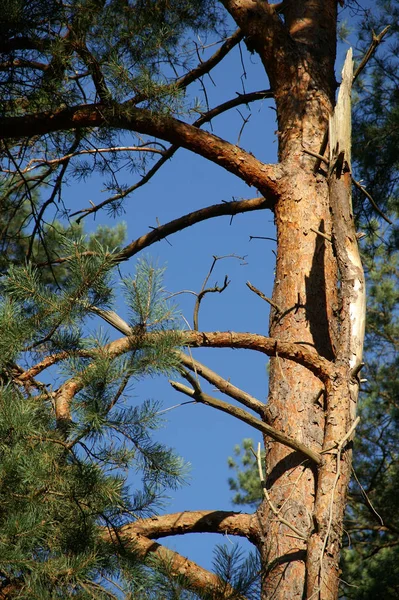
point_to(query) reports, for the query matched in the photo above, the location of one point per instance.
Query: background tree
(78, 83)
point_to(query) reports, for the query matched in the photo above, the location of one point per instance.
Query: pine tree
(78, 80)
(65, 456)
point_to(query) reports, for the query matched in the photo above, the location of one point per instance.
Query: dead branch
(246, 417)
(197, 216)
(40, 162)
(265, 298)
(222, 384)
(162, 231)
(206, 66)
(372, 201)
(212, 290)
(377, 39)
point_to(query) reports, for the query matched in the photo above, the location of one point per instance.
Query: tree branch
(295, 351)
(37, 163)
(127, 117)
(222, 384)
(205, 118)
(246, 417)
(318, 365)
(199, 521)
(198, 579)
(209, 64)
(162, 231)
(377, 39)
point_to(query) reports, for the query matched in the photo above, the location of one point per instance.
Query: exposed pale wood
(340, 125)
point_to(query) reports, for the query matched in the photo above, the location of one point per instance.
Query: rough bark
(298, 52)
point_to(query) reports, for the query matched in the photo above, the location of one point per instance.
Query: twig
(211, 290)
(338, 450)
(372, 202)
(316, 155)
(265, 298)
(274, 510)
(39, 162)
(321, 152)
(366, 497)
(376, 40)
(318, 232)
(261, 237)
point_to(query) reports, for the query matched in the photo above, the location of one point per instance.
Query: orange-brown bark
(199, 521)
(129, 118)
(139, 536)
(298, 52)
(198, 579)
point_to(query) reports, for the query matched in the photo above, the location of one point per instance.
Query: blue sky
(203, 436)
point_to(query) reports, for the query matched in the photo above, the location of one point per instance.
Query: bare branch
(377, 39)
(39, 162)
(211, 290)
(246, 417)
(206, 66)
(222, 384)
(200, 521)
(203, 214)
(265, 298)
(371, 199)
(162, 231)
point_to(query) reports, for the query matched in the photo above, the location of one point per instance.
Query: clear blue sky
(204, 437)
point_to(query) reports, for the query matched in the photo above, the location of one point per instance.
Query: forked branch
(246, 417)
(222, 384)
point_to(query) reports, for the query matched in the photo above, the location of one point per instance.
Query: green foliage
(130, 41)
(20, 226)
(120, 53)
(238, 574)
(63, 488)
(239, 571)
(375, 120)
(246, 484)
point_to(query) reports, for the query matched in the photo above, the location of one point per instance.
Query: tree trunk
(309, 293)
